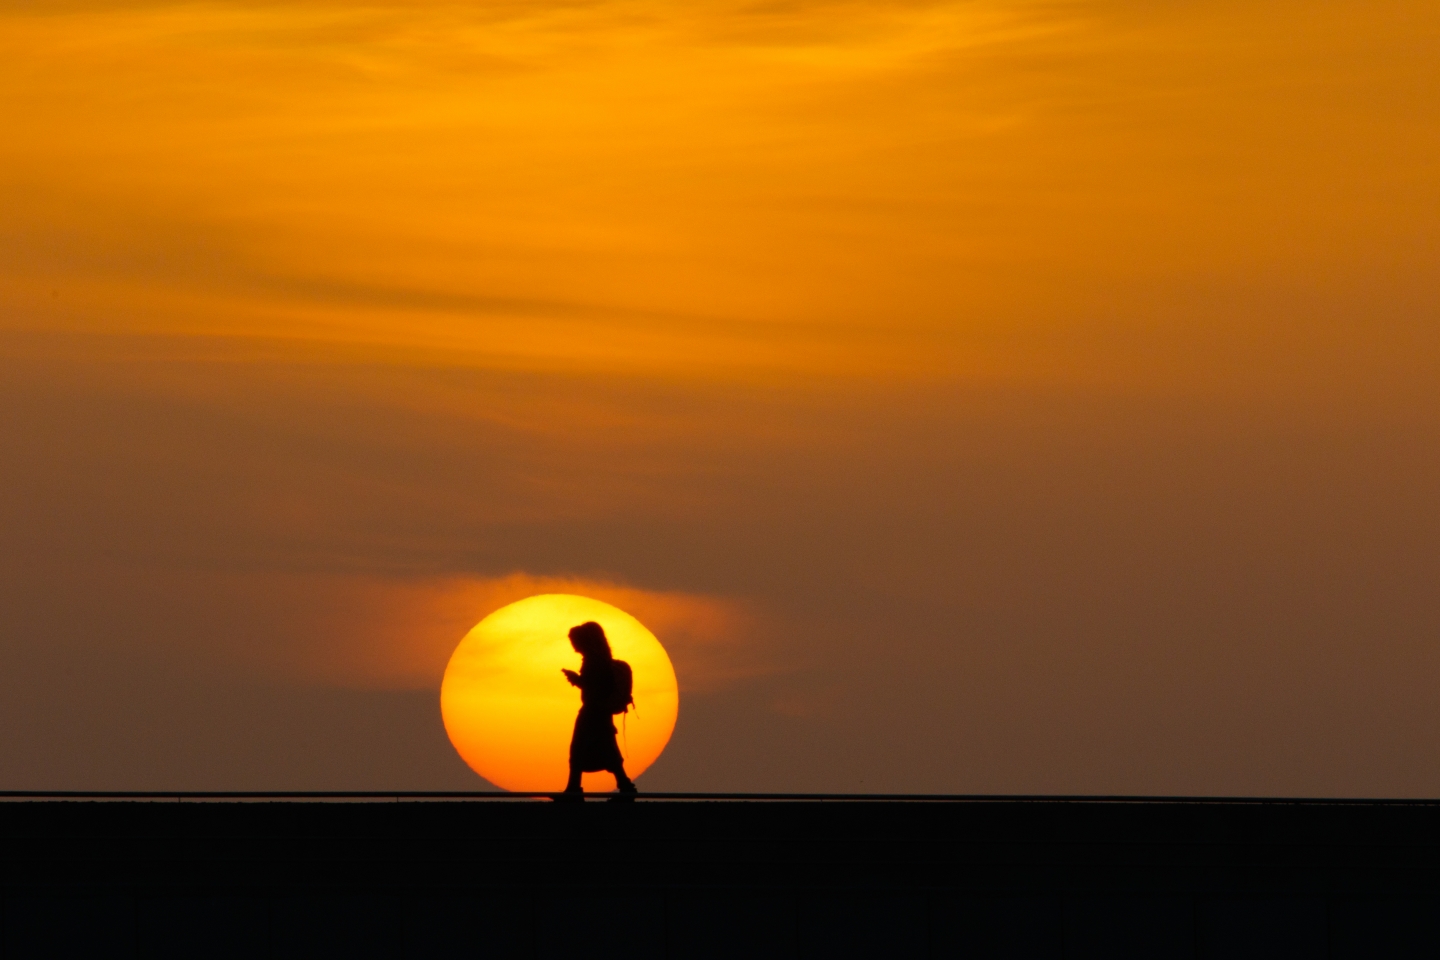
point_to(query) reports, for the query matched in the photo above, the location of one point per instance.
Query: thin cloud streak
(399, 635)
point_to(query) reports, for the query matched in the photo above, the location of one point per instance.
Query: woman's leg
(623, 783)
(575, 748)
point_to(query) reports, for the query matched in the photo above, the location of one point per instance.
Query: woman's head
(588, 639)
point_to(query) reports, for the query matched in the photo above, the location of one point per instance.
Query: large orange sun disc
(509, 711)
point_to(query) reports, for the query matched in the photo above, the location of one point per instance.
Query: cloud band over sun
(401, 635)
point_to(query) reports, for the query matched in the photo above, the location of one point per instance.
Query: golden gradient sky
(1055, 378)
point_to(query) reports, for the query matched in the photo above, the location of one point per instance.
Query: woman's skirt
(593, 746)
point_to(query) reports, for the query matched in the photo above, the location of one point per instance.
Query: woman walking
(593, 746)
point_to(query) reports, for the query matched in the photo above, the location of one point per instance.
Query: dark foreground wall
(657, 879)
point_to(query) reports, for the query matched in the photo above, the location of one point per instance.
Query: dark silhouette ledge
(358, 874)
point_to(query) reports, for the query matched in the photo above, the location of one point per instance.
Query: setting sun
(509, 711)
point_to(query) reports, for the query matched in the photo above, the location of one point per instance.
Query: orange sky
(1032, 190)
(1080, 351)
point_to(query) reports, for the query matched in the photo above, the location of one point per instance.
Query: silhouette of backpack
(624, 687)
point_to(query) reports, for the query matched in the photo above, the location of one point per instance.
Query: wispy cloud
(1040, 190)
(397, 633)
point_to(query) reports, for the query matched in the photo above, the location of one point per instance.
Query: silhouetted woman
(593, 746)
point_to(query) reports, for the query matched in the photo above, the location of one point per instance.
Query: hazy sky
(973, 396)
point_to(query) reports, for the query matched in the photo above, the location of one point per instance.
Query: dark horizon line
(500, 795)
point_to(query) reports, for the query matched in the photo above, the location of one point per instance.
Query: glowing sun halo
(509, 711)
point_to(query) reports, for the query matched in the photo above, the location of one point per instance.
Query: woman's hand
(572, 676)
